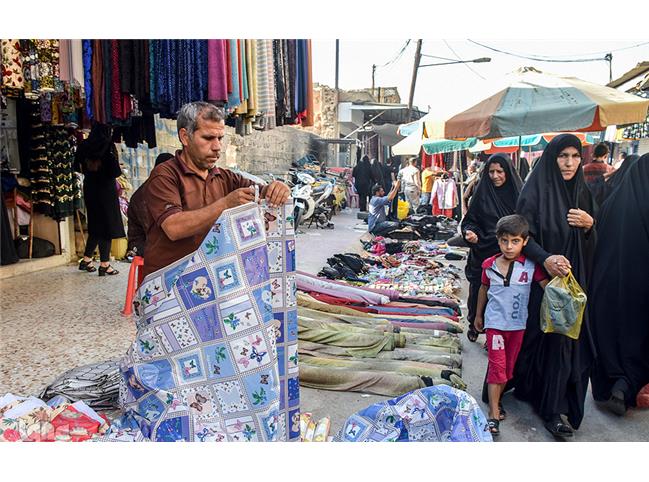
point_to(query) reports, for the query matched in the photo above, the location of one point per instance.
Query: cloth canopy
(537, 102)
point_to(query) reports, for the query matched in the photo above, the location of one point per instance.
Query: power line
(537, 58)
(458, 58)
(397, 57)
(578, 55)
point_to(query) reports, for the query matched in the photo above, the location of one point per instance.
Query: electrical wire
(397, 57)
(464, 63)
(565, 55)
(540, 59)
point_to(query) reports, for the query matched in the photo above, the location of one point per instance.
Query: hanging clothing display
(215, 355)
(12, 66)
(444, 197)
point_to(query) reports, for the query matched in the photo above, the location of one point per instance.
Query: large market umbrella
(537, 102)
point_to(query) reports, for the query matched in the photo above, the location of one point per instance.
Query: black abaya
(552, 370)
(489, 204)
(602, 189)
(96, 158)
(619, 294)
(363, 181)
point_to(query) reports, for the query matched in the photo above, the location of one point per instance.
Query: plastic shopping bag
(403, 208)
(562, 308)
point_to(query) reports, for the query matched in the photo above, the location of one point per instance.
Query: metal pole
(415, 68)
(609, 58)
(373, 72)
(337, 61)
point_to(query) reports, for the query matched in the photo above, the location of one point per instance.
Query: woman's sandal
(494, 427)
(472, 334)
(104, 271)
(87, 266)
(503, 413)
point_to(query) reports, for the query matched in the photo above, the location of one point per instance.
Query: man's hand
(580, 219)
(470, 236)
(276, 193)
(557, 265)
(478, 323)
(240, 196)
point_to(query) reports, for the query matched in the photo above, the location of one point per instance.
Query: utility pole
(415, 68)
(337, 61)
(609, 58)
(373, 72)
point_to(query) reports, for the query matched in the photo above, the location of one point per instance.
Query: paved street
(61, 318)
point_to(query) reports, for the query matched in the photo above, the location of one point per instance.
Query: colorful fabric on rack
(433, 414)
(87, 76)
(31, 72)
(266, 82)
(209, 361)
(234, 97)
(217, 84)
(47, 51)
(12, 65)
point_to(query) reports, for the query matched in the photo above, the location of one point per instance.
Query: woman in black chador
(494, 197)
(552, 370)
(362, 174)
(96, 158)
(619, 294)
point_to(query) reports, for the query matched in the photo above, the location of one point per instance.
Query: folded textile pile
(96, 384)
(30, 419)
(432, 414)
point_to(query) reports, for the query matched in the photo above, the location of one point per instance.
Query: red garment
(228, 65)
(240, 74)
(503, 348)
(120, 103)
(441, 212)
(438, 161)
(426, 159)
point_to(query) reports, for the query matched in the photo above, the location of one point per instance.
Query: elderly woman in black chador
(494, 197)
(552, 370)
(619, 294)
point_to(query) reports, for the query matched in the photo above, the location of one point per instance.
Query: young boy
(506, 281)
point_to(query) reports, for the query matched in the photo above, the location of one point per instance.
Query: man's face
(204, 146)
(380, 192)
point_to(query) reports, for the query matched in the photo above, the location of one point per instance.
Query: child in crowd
(506, 282)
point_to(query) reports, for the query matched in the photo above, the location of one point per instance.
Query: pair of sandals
(103, 270)
(494, 424)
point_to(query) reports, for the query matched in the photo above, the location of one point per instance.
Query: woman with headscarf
(619, 294)
(495, 196)
(96, 158)
(362, 175)
(552, 370)
(605, 185)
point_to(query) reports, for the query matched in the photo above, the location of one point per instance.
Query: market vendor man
(188, 193)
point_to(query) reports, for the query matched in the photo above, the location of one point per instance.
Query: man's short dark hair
(513, 225)
(376, 188)
(601, 150)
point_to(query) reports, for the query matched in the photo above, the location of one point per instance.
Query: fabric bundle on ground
(432, 414)
(215, 356)
(378, 376)
(96, 384)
